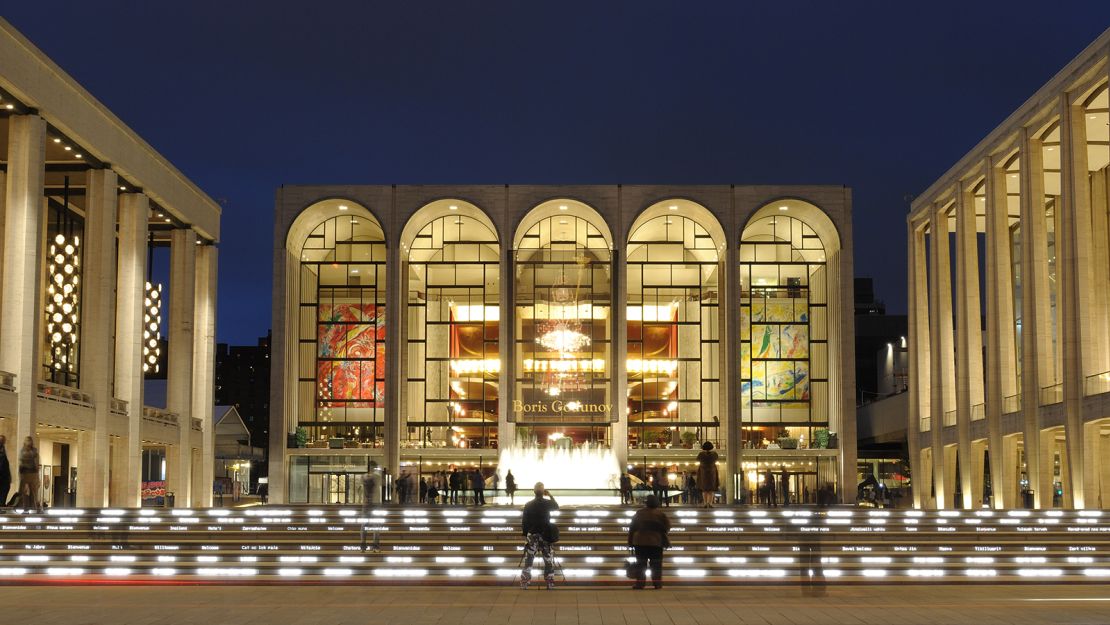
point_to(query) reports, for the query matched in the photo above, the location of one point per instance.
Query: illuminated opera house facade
(430, 326)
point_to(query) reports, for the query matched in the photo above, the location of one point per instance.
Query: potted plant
(300, 436)
(821, 438)
(688, 439)
(787, 442)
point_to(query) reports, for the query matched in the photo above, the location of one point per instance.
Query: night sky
(245, 96)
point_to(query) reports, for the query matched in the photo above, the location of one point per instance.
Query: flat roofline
(1084, 64)
(38, 82)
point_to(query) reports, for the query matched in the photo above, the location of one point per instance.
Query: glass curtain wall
(452, 360)
(341, 329)
(783, 336)
(562, 360)
(63, 260)
(673, 320)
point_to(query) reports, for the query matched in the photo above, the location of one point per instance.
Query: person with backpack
(647, 536)
(539, 535)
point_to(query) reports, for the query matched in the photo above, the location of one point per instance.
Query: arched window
(674, 326)
(341, 331)
(452, 358)
(562, 362)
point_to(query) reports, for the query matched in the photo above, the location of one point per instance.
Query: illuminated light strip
(928, 560)
(1018, 513)
(948, 513)
(839, 513)
(460, 572)
(400, 572)
(64, 570)
(248, 559)
(163, 572)
(876, 559)
(1055, 513)
(873, 572)
(295, 559)
(290, 572)
(925, 572)
(691, 572)
(122, 559)
(980, 572)
(352, 559)
(830, 560)
(829, 572)
(580, 572)
(1031, 559)
(594, 560)
(780, 560)
(78, 512)
(450, 559)
(398, 559)
(1096, 572)
(979, 560)
(241, 572)
(683, 560)
(208, 558)
(1081, 560)
(1040, 572)
(838, 521)
(340, 572)
(722, 513)
(346, 513)
(167, 558)
(757, 572)
(117, 571)
(1090, 513)
(496, 559)
(34, 558)
(12, 571)
(79, 558)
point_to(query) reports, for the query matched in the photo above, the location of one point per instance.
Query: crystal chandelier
(562, 332)
(63, 301)
(564, 339)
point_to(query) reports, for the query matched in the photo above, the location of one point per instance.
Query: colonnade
(1009, 322)
(111, 337)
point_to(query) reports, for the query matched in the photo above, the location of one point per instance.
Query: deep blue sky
(244, 96)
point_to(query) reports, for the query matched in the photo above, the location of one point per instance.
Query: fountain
(581, 468)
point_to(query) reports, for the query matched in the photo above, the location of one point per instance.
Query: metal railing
(949, 418)
(978, 411)
(64, 394)
(1011, 403)
(1097, 383)
(158, 415)
(118, 406)
(1052, 394)
(7, 381)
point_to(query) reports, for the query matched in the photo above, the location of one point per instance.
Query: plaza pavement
(889, 604)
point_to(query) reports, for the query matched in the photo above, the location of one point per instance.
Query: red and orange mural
(351, 354)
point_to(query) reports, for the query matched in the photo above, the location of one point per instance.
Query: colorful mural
(351, 354)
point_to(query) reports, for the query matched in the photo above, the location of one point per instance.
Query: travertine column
(969, 343)
(97, 319)
(180, 362)
(942, 389)
(20, 351)
(134, 211)
(733, 455)
(618, 360)
(3, 215)
(1075, 273)
(394, 307)
(506, 347)
(914, 264)
(204, 371)
(1100, 285)
(1037, 368)
(1001, 373)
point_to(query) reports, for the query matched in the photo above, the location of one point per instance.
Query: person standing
(692, 494)
(510, 486)
(371, 498)
(785, 481)
(626, 488)
(539, 535)
(478, 485)
(29, 475)
(647, 535)
(769, 489)
(423, 490)
(660, 486)
(455, 483)
(708, 481)
(496, 484)
(5, 472)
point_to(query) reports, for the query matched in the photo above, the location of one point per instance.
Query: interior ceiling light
(57, 140)
(453, 207)
(67, 148)
(673, 207)
(342, 207)
(782, 208)
(563, 208)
